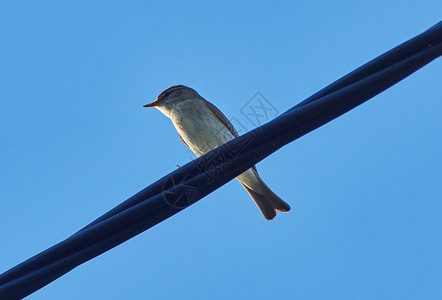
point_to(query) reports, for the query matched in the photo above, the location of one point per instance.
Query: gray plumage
(203, 127)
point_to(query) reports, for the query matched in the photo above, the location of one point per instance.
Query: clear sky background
(365, 189)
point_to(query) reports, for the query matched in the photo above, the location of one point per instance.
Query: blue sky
(365, 190)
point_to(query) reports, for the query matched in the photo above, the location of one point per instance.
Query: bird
(202, 127)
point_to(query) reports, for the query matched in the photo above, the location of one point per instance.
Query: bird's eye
(167, 94)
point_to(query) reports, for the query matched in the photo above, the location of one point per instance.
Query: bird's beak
(151, 104)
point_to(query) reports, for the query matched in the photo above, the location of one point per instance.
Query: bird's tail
(267, 201)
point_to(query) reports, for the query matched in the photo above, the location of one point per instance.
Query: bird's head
(172, 96)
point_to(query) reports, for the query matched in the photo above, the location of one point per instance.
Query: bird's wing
(226, 122)
(183, 140)
(222, 118)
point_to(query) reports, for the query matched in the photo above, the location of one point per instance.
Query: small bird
(203, 127)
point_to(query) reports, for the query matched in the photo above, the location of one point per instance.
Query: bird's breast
(202, 131)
